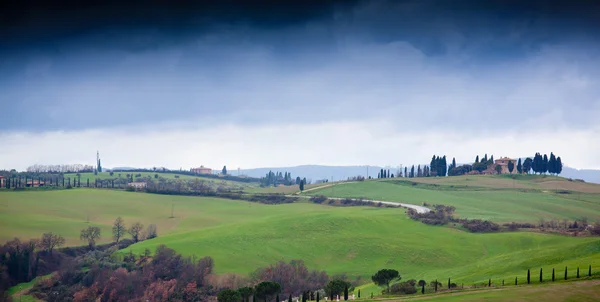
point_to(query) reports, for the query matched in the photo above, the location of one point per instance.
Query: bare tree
(118, 229)
(151, 231)
(49, 241)
(135, 231)
(91, 234)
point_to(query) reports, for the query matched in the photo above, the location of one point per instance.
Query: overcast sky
(321, 82)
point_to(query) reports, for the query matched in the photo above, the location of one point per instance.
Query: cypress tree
(489, 282)
(453, 162)
(590, 271)
(448, 283)
(565, 273)
(578, 272)
(317, 296)
(406, 172)
(519, 166)
(277, 298)
(545, 164)
(553, 275)
(502, 282)
(528, 277)
(435, 285)
(254, 298)
(422, 288)
(477, 159)
(541, 276)
(346, 293)
(290, 298)
(559, 165)
(552, 163)
(516, 281)
(444, 166)
(388, 174)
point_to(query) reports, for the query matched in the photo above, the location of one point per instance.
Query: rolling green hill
(484, 197)
(243, 236)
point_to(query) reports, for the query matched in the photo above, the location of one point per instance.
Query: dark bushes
(407, 288)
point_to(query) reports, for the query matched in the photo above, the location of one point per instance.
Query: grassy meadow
(581, 291)
(243, 236)
(482, 197)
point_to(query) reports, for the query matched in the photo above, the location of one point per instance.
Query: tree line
(278, 178)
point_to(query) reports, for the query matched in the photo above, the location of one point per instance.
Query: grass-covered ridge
(526, 202)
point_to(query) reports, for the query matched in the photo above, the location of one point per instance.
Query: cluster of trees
(97, 275)
(442, 215)
(544, 164)
(74, 168)
(278, 178)
(346, 202)
(385, 174)
(438, 166)
(483, 164)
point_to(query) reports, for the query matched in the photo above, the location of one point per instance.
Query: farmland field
(243, 236)
(484, 198)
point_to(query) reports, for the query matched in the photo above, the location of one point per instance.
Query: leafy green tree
(385, 276)
(498, 169)
(443, 166)
(224, 171)
(246, 293)
(552, 163)
(527, 165)
(267, 289)
(511, 166)
(433, 165)
(229, 295)
(336, 287)
(519, 167)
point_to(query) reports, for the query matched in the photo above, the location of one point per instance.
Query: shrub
(318, 199)
(403, 288)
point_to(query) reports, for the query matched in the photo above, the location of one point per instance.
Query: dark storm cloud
(67, 66)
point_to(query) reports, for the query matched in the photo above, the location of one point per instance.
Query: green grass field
(243, 236)
(588, 290)
(482, 199)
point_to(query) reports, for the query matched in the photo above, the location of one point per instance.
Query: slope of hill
(482, 197)
(242, 236)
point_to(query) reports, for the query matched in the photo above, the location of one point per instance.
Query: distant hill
(316, 172)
